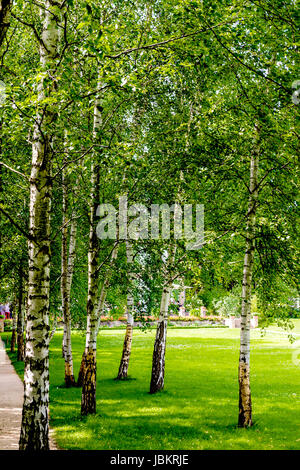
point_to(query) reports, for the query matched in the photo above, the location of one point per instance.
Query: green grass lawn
(198, 408)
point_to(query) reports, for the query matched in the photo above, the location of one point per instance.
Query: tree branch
(26, 235)
(249, 67)
(14, 171)
(162, 43)
(32, 26)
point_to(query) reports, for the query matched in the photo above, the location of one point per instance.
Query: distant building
(5, 311)
(182, 312)
(234, 322)
(295, 303)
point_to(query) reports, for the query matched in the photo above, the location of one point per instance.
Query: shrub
(192, 318)
(228, 305)
(8, 324)
(106, 318)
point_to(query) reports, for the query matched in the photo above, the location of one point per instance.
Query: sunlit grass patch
(198, 408)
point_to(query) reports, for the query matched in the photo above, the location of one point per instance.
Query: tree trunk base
(69, 376)
(88, 399)
(70, 381)
(245, 419)
(245, 405)
(121, 377)
(158, 361)
(34, 438)
(21, 349)
(13, 341)
(244, 423)
(123, 369)
(124, 378)
(34, 435)
(155, 389)
(81, 370)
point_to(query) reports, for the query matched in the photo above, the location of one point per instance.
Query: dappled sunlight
(199, 405)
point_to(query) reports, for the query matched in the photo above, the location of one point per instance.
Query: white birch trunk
(88, 399)
(124, 363)
(14, 328)
(64, 259)
(99, 310)
(158, 361)
(20, 323)
(245, 406)
(54, 326)
(35, 421)
(69, 374)
(182, 303)
(5, 7)
(67, 267)
(104, 287)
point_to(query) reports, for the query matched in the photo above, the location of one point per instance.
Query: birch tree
(123, 368)
(102, 293)
(20, 321)
(245, 406)
(5, 8)
(67, 268)
(158, 360)
(14, 329)
(159, 352)
(88, 399)
(35, 419)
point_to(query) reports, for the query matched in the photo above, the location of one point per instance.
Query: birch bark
(123, 368)
(64, 260)
(14, 329)
(20, 322)
(5, 7)
(35, 421)
(158, 361)
(245, 405)
(69, 374)
(99, 310)
(88, 398)
(105, 285)
(67, 268)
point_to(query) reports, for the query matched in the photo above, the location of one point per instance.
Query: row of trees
(162, 102)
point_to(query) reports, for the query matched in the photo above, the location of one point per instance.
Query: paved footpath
(11, 401)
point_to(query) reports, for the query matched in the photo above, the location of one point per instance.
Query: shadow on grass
(124, 379)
